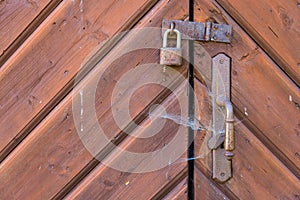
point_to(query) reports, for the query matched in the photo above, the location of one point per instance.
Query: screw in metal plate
(227, 34)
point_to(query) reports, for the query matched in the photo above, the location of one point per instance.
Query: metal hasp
(222, 140)
(201, 31)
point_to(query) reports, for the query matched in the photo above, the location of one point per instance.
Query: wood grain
(206, 189)
(23, 24)
(139, 184)
(275, 27)
(40, 73)
(257, 173)
(55, 142)
(15, 16)
(91, 187)
(53, 155)
(260, 89)
(179, 192)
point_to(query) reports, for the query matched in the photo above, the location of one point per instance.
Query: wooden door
(69, 67)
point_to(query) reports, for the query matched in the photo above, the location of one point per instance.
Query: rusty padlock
(171, 56)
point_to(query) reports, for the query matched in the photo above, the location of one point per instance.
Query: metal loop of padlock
(165, 39)
(171, 56)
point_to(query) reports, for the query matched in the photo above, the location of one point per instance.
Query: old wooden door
(81, 85)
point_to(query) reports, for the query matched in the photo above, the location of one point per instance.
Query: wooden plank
(275, 26)
(257, 173)
(18, 38)
(139, 184)
(260, 89)
(205, 189)
(15, 16)
(55, 142)
(93, 186)
(57, 50)
(179, 192)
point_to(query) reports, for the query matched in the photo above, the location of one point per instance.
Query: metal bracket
(201, 31)
(222, 140)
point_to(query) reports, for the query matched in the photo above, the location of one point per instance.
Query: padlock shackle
(178, 34)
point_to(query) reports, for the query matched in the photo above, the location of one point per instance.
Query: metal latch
(222, 140)
(202, 31)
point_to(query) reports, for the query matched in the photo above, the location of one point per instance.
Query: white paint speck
(81, 110)
(290, 98)
(81, 6)
(245, 111)
(127, 183)
(81, 9)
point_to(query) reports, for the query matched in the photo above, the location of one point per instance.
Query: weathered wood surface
(179, 192)
(275, 27)
(260, 89)
(52, 162)
(205, 189)
(257, 173)
(252, 163)
(40, 73)
(108, 183)
(16, 16)
(93, 186)
(56, 137)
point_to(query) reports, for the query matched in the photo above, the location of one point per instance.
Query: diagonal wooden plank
(205, 189)
(179, 192)
(16, 16)
(40, 73)
(275, 26)
(139, 184)
(55, 142)
(260, 89)
(257, 173)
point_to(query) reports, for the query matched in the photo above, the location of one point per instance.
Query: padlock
(171, 56)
